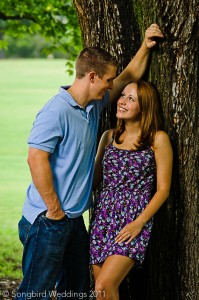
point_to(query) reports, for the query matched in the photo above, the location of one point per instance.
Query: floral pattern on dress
(127, 188)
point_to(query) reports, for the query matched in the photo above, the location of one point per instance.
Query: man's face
(101, 85)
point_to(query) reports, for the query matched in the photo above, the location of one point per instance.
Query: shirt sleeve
(46, 132)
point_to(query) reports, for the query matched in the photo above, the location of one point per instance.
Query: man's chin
(99, 98)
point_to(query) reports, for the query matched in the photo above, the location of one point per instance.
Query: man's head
(93, 59)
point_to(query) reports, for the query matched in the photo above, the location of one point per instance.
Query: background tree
(171, 266)
(53, 19)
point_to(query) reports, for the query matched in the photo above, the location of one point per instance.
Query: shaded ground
(8, 288)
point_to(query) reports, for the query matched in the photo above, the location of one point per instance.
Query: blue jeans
(55, 253)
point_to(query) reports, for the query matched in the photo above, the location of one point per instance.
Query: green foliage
(55, 20)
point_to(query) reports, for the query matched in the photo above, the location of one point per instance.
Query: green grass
(25, 85)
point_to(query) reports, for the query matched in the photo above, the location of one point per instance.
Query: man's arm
(137, 66)
(41, 173)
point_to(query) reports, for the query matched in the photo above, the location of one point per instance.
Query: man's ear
(92, 76)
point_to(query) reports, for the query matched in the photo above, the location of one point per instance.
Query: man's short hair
(93, 59)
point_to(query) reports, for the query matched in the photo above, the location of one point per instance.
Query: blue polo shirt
(68, 132)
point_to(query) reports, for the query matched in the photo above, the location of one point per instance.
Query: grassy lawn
(25, 85)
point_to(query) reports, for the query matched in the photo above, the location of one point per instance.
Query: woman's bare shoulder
(106, 138)
(161, 139)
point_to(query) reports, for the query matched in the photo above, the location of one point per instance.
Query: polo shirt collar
(67, 96)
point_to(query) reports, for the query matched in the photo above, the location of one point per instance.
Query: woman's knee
(105, 289)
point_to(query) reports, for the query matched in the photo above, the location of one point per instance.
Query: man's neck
(79, 93)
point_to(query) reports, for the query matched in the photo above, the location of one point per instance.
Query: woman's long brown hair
(150, 116)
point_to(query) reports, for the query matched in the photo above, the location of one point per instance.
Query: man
(62, 146)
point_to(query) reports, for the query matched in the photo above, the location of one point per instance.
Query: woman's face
(128, 106)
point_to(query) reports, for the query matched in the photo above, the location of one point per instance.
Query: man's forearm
(137, 66)
(42, 177)
(133, 72)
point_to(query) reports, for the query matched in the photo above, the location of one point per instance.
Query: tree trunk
(103, 24)
(171, 268)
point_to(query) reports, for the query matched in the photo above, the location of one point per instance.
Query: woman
(134, 163)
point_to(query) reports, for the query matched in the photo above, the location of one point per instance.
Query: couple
(62, 146)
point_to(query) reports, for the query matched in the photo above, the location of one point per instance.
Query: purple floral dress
(126, 190)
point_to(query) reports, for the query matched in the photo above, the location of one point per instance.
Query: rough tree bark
(171, 267)
(103, 24)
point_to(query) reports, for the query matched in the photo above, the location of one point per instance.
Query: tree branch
(17, 17)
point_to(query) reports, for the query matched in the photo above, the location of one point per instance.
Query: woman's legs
(96, 271)
(109, 275)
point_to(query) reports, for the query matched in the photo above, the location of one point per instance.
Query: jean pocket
(24, 227)
(52, 223)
